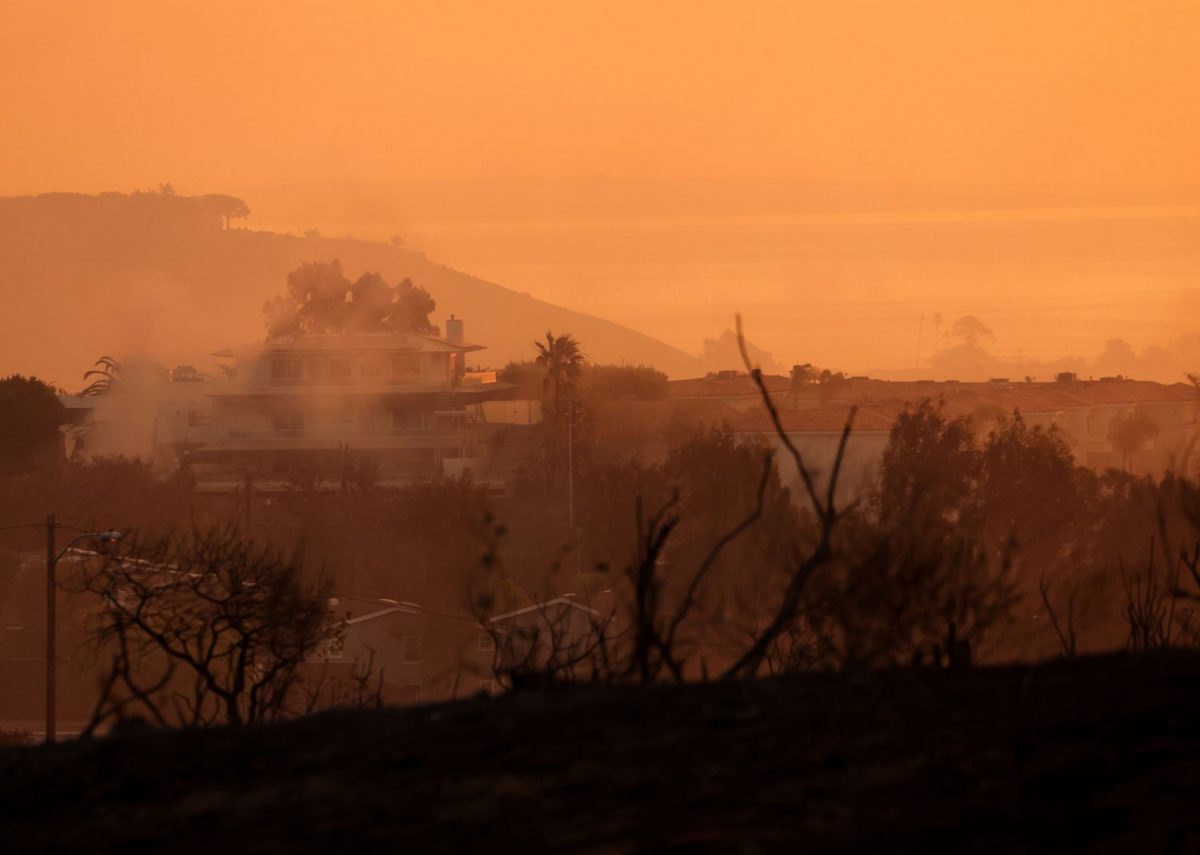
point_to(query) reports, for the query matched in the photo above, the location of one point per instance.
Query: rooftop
(724, 387)
(350, 343)
(1028, 397)
(825, 409)
(818, 420)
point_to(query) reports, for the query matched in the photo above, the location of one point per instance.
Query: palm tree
(1129, 432)
(107, 371)
(563, 361)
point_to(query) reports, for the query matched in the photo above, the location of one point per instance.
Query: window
(413, 650)
(288, 421)
(406, 365)
(195, 418)
(486, 642)
(339, 367)
(286, 369)
(408, 418)
(318, 366)
(330, 420)
(373, 367)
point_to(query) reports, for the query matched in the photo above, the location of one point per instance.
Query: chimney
(454, 335)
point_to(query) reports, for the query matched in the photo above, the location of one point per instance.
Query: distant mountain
(164, 275)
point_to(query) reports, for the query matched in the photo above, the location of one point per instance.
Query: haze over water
(849, 290)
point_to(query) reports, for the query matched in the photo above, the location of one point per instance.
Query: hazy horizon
(792, 275)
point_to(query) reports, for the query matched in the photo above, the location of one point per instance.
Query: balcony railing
(333, 383)
(318, 433)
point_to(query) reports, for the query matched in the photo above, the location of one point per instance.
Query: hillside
(162, 275)
(1095, 755)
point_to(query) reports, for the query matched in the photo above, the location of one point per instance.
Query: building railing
(334, 383)
(318, 433)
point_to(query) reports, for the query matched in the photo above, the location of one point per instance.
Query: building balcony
(356, 440)
(338, 386)
(285, 433)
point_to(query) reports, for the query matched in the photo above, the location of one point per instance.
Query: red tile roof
(817, 420)
(880, 401)
(1029, 397)
(1034, 397)
(736, 387)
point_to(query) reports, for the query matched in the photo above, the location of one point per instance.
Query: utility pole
(248, 488)
(571, 487)
(571, 469)
(51, 631)
(106, 538)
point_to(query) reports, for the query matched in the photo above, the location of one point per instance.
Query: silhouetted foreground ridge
(1095, 755)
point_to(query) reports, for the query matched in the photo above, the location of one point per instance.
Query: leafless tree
(361, 689)
(1152, 598)
(656, 647)
(552, 644)
(803, 560)
(543, 644)
(897, 594)
(1147, 612)
(855, 589)
(1160, 601)
(203, 629)
(1064, 629)
(653, 646)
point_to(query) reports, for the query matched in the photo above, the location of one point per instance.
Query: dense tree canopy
(30, 414)
(320, 299)
(597, 383)
(930, 468)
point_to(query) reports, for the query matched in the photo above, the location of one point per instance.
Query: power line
(75, 528)
(43, 525)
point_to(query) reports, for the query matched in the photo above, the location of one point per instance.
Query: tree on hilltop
(226, 207)
(971, 330)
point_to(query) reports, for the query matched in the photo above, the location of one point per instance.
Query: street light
(53, 555)
(574, 402)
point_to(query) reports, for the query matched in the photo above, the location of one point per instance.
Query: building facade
(324, 408)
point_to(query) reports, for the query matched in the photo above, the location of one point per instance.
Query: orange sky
(507, 139)
(228, 96)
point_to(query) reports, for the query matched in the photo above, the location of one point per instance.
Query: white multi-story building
(310, 406)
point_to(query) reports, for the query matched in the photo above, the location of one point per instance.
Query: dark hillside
(1096, 755)
(162, 274)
